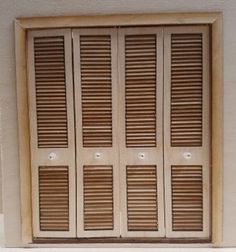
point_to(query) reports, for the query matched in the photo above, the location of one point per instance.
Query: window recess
(120, 139)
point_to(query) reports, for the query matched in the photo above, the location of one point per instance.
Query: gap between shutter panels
(140, 90)
(96, 85)
(50, 84)
(54, 198)
(186, 90)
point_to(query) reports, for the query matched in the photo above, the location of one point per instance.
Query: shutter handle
(52, 156)
(141, 155)
(97, 155)
(187, 155)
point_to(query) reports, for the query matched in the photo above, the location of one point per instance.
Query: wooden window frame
(214, 19)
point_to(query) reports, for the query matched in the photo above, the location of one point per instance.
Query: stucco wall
(0, 191)
(10, 9)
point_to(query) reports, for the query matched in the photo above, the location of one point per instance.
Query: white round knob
(187, 155)
(52, 156)
(97, 155)
(141, 155)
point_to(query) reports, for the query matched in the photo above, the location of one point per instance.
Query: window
(126, 146)
(80, 143)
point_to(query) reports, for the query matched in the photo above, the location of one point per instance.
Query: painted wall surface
(11, 9)
(0, 190)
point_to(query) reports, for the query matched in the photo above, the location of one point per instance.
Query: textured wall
(11, 9)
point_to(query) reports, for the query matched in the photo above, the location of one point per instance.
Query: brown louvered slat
(54, 198)
(98, 198)
(140, 90)
(142, 209)
(95, 63)
(187, 198)
(49, 62)
(186, 90)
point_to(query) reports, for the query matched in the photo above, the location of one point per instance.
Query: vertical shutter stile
(95, 73)
(52, 133)
(140, 125)
(187, 132)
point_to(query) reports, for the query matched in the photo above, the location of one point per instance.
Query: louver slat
(96, 85)
(98, 198)
(54, 198)
(186, 90)
(140, 90)
(187, 198)
(142, 210)
(50, 84)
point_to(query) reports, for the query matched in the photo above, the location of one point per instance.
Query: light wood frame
(22, 25)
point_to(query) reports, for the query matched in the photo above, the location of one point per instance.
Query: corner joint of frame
(18, 24)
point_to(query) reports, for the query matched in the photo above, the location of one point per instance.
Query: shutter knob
(97, 155)
(52, 156)
(141, 155)
(187, 155)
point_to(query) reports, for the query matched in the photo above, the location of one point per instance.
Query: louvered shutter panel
(187, 131)
(52, 133)
(95, 74)
(140, 125)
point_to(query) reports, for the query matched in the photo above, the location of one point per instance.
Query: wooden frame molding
(22, 25)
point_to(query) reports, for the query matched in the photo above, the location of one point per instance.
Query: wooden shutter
(187, 131)
(95, 73)
(140, 131)
(52, 133)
